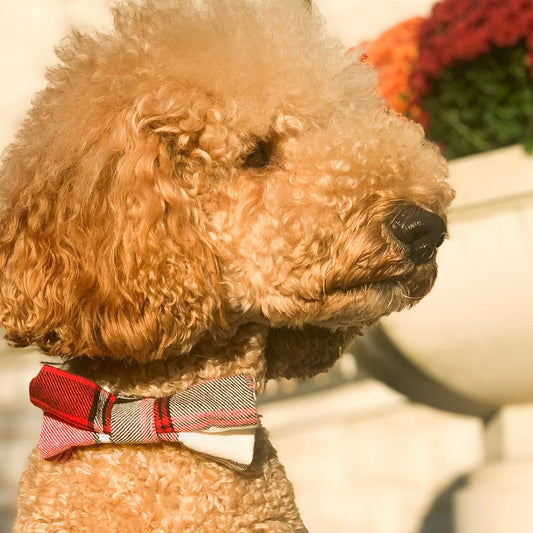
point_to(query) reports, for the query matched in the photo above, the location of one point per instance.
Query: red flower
(411, 56)
(507, 36)
(461, 30)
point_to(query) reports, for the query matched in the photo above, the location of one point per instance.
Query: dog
(212, 191)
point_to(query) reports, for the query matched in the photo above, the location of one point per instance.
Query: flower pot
(473, 334)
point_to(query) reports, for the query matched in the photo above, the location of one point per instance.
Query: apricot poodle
(212, 190)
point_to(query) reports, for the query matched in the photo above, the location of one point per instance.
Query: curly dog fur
(202, 192)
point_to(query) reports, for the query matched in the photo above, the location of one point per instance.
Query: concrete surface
(354, 21)
(364, 459)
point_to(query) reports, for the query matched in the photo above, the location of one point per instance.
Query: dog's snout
(420, 230)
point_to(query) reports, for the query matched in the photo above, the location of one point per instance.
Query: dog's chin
(366, 302)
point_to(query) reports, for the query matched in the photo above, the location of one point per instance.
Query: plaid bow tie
(217, 418)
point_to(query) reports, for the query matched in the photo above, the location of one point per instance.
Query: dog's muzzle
(421, 231)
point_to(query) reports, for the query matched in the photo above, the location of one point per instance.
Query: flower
(462, 30)
(465, 73)
(394, 54)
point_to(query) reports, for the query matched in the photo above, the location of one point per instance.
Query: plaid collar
(217, 418)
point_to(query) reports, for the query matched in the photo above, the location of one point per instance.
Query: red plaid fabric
(217, 417)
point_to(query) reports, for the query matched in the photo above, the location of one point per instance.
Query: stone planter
(468, 347)
(473, 334)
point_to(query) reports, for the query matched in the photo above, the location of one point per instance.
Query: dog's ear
(104, 249)
(303, 352)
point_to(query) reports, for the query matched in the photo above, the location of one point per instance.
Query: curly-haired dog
(213, 190)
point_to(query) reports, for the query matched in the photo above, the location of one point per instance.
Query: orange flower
(394, 54)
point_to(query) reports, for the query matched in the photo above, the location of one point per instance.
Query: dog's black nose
(422, 231)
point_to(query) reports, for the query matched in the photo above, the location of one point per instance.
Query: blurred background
(425, 425)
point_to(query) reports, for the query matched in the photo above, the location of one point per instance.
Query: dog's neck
(243, 353)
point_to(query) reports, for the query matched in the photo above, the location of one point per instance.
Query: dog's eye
(259, 156)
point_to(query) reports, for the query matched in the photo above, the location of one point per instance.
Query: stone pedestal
(467, 346)
(498, 496)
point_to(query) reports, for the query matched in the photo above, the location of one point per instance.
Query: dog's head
(207, 165)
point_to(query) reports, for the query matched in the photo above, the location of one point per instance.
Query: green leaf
(528, 145)
(482, 104)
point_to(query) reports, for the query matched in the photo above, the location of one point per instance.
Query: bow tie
(216, 418)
